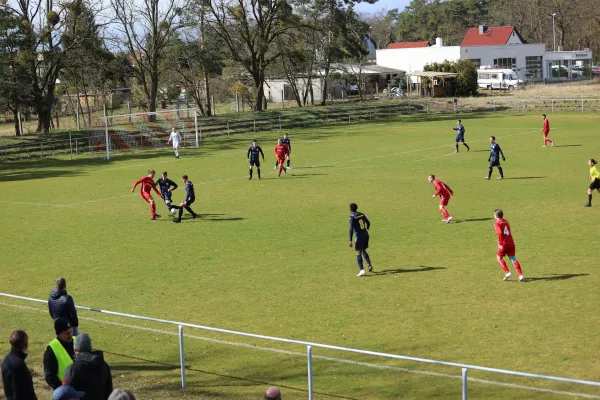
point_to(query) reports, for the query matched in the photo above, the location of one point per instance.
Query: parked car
(396, 92)
(596, 70)
(352, 89)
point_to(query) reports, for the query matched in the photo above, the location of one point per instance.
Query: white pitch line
(340, 360)
(295, 169)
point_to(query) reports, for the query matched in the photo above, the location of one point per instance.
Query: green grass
(271, 257)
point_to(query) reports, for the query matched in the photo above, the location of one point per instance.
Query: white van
(497, 78)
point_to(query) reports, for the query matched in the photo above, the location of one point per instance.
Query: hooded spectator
(61, 305)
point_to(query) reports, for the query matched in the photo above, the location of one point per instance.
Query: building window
(533, 66)
(476, 62)
(508, 63)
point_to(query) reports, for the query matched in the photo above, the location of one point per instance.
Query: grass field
(271, 257)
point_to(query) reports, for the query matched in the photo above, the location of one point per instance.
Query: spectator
(67, 393)
(89, 372)
(61, 305)
(59, 353)
(16, 377)
(118, 394)
(272, 393)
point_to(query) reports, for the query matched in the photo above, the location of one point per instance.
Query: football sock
(490, 172)
(359, 261)
(280, 169)
(589, 199)
(444, 213)
(456, 147)
(503, 265)
(250, 172)
(467, 146)
(517, 267)
(180, 213)
(153, 209)
(366, 257)
(501, 173)
(288, 163)
(190, 210)
(276, 164)
(257, 170)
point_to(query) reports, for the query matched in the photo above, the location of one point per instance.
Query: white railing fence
(310, 345)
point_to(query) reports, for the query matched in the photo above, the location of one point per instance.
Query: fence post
(523, 106)
(196, 126)
(129, 110)
(76, 146)
(348, 117)
(181, 357)
(310, 380)
(70, 144)
(552, 105)
(106, 134)
(581, 105)
(227, 128)
(254, 124)
(494, 105)
(427, 107)
(465, 395)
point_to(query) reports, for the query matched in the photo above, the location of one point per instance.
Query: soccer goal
(131, 133)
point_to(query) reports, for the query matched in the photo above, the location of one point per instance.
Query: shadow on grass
(424, 268)
(480, 151)
(458, 221)
(151, 365)
(528, 177)
(568, 145)
(216, 217)
(554, 277)
(305, 175)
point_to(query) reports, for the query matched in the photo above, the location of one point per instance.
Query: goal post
(136, 132)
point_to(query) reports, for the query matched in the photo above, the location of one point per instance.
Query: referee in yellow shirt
(595, 180)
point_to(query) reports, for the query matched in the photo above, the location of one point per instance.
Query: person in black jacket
(89, 372)
(61, 305)
(16, 377)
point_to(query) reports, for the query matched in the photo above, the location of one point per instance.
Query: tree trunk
(152, 99)
(17, 122)
(207, 91)
(260, 91)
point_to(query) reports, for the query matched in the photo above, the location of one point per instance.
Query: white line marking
(295, 169)
(340, 360)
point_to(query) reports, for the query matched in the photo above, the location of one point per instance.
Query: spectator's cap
(61, 325)
(83, 342)
(67, 393)
(118, 394)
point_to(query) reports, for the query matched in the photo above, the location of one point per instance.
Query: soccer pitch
(271, 257)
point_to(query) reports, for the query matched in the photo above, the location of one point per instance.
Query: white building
(496, 47)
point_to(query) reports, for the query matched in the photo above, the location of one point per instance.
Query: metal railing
(310, 345)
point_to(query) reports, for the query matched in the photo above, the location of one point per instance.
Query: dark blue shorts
(495, 162)
(253, 163)
(460, 137)
(167, 196)
(362, 242)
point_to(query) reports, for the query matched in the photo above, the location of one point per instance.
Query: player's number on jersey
(361, 223)
(506, 231)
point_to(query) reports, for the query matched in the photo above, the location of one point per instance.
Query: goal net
(131, 133)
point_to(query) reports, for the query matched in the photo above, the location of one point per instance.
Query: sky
(380, 5)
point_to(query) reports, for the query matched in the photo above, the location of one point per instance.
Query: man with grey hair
(89, 372)
(272, 393)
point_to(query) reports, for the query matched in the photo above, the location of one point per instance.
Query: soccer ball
(173, 211)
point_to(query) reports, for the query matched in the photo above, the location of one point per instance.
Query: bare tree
(147, 29)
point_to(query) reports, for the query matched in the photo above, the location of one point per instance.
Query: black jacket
(16, 377)
(89, 373)
(51, 364)
(60, 304)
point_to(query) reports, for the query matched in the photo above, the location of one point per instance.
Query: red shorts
(506, 251)
(146, 196)
(280, 160)
(546, 134)
(444, 200)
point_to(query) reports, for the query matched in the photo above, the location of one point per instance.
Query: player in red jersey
(444, 191)
(281, 151)
(506, 245)
(147, 184)
(546, 131)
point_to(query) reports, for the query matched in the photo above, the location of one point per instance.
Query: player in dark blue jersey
(166, 188)
(286, 142)
(190, 197)
(253, 157)
(460, 135)
(359, 224)
(494, 158)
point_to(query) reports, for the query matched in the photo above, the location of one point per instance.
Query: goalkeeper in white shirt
(175, 137)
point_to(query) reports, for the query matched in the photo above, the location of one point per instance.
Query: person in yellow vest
(59, 353)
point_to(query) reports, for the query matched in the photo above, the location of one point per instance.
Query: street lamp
(554, 30)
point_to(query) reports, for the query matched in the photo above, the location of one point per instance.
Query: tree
(147, 29)
(249, 29)
(466, 80)
(381, 27)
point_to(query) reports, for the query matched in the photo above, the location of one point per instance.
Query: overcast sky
(381, 4)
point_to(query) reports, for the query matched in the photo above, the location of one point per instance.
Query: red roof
(492, 36)
(408, 45)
